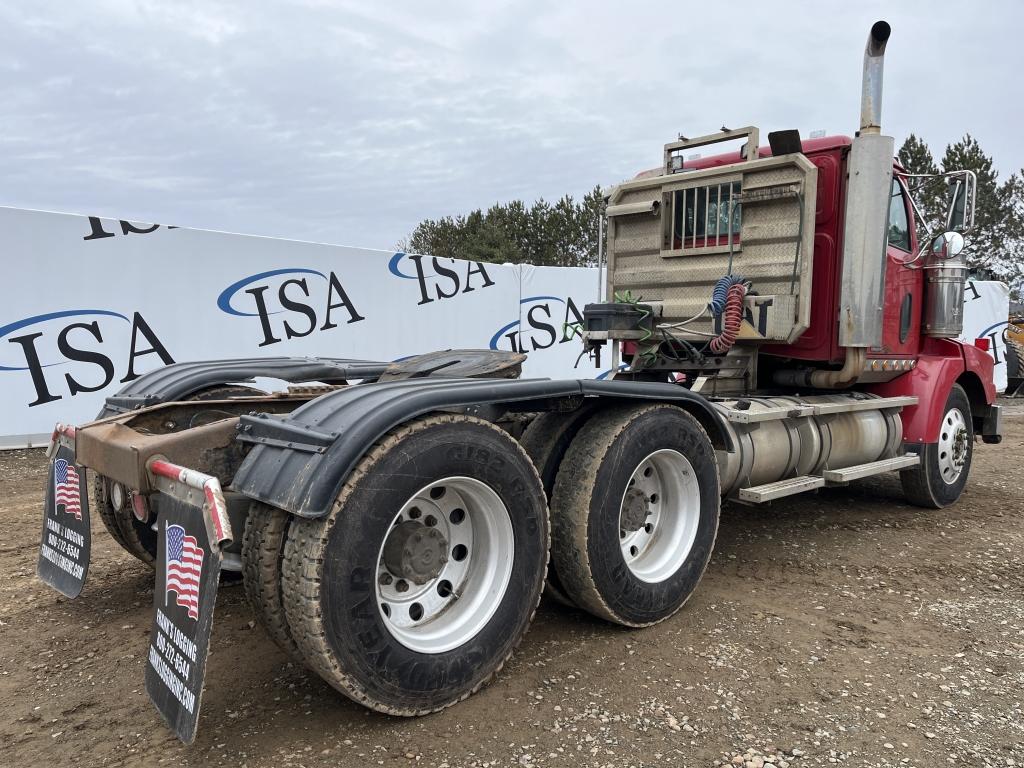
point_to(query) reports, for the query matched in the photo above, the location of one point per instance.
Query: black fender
(180, 380)
(300, 461)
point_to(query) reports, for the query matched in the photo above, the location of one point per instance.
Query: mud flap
(66, 541)
(193, 527)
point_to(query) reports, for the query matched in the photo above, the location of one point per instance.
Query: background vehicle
(775, 326)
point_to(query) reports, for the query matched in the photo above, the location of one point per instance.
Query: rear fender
(299, 462)
(180, 380)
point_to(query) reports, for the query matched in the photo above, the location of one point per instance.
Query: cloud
(350, 122)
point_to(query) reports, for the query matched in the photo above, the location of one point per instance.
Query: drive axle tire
(545, 441)
(939, 479)
(266, 529)
(421, 581)
(136, 537)
(634, 513)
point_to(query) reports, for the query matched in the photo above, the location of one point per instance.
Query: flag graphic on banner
(184, 566)
(66, 488)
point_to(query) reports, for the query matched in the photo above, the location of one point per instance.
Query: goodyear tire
(545, 441)
(939, 479)
(635, 513)
(421, 581)
(266, 529)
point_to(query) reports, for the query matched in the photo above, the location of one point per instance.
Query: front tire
(635, 513)
(422, 580)
(939, 478)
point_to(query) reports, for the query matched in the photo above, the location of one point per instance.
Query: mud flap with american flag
(192, 528)
(66, 541)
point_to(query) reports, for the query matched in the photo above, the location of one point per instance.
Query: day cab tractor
(777, 322)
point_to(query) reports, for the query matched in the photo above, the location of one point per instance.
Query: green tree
(545, 234)
(995, 246)
(916, 158)
(1008, 264)
(988, 240)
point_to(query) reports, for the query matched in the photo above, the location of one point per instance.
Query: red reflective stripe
(215, 510)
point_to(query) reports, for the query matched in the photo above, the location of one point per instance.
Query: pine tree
(1008, 263)
(992, 211)
(916, 158)
(563, 234)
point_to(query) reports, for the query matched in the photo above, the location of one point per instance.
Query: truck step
(797, 411)
(759, 494)
(845, 475)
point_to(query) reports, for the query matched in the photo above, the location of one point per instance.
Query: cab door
(901, 331)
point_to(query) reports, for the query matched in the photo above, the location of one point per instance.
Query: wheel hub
(658, 516)
(960, 447)
(635, 510)
(415, 552)
(953, 446)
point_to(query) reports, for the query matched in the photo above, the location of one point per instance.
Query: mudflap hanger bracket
(196, 490)
(63, 436)
(305, 477)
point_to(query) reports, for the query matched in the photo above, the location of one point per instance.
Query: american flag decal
(66, 488)
(184, 566)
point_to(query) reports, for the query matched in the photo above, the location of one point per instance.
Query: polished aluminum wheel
(952, 448)
(658, 516)
(445, 565)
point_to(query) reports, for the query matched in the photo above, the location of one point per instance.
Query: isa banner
(90, 304)
(986, 315)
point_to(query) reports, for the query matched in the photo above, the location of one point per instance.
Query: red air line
(732, 318)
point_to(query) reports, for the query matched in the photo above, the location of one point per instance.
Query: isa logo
(78, 350)
(290, 303)
(549, 321)
(439, 279)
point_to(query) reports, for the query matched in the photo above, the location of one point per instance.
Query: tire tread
(304, 557)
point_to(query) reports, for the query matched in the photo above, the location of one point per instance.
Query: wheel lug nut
(386, 578)
(402, 585)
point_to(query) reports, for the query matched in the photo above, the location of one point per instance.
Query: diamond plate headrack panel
(669, 241)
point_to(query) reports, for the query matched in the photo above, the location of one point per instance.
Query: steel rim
(451, 606)
(658, 516)
(954, 439)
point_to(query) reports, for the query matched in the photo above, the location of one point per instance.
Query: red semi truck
(778, 321)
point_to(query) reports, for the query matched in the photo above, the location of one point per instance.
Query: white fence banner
(986, 315)
(92, 303)
(89, 304)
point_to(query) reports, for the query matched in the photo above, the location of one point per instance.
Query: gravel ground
(844, 627)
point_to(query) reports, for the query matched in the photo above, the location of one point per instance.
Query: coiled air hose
(721, 291)
(732, 318)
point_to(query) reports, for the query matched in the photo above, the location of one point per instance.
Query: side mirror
(960, 210)
(948, 245)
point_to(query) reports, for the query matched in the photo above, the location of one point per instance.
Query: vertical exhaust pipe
(871, 85)
(869, 181)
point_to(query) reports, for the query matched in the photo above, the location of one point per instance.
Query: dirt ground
(844, 627)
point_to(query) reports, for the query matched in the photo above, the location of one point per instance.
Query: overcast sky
(349, 122)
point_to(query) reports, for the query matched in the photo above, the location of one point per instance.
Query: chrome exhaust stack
(869, 170)
(867, 208)
(871, 84)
